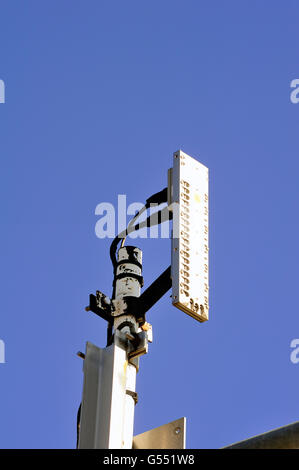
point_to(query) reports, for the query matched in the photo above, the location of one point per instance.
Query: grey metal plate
(285, 437)
(168, 436)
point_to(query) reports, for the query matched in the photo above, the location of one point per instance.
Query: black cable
(156, 218)
(113, 249)
(78, 424)
(136, 216)
(157, 198)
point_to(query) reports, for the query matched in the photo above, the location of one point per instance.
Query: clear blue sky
(99, 94)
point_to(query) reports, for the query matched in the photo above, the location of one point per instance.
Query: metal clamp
(134, 395)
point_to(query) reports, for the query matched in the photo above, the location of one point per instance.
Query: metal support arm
(105, 308)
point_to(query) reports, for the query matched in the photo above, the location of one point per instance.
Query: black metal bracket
(102, 306)
(97, 306)
(156, 290)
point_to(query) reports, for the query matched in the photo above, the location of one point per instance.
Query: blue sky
(99, 94)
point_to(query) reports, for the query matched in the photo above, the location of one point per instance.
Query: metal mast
(109, 390)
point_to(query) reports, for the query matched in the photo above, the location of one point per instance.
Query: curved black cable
(157, 198)
(78, 424)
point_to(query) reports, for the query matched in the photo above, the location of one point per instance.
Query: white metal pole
(128, 422)
(109, 396)
(129, 262)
